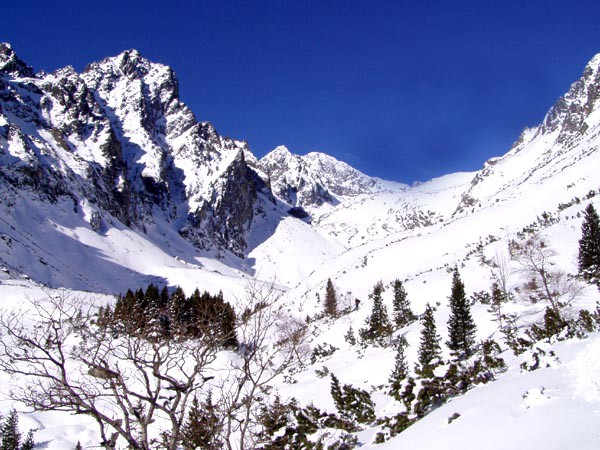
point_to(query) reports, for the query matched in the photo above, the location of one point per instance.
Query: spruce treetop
(429, 347)
(461, 327)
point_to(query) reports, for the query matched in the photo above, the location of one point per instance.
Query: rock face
(316, 178)
(118, 146)
(118, 137)
(11, 64)
(568, 116)
(567, 134)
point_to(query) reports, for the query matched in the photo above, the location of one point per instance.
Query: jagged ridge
(117, 136)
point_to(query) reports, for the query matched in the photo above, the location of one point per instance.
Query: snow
(534, 410)
(372, 231)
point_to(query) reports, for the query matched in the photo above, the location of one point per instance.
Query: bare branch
(125, 381)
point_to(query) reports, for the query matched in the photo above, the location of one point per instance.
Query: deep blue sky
(404, 90)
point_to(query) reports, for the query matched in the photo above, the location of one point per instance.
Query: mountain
(315, 179)
(118, 138)
(114, 148)
(108, 182)
(568, 136)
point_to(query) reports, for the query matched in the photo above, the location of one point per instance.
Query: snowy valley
(108, 182)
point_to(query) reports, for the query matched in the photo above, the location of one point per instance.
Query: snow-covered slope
(315, 179)
(542, 157)
(118, 137)
(542, 184)
(551, 408)
(114, 150)
(107, 182)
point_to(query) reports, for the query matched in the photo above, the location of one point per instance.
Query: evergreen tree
(377, 325)
(400, 371)
(180, 313)
(429, 347)
(336, 392)
(275, 416)
(202, 427)
(498, 298)
(330, 299)
(461, 327)
(408, 394)
(349, 336)
(78, 446)
(589, 246)
(403, 315)
(9, 431)
(353, 404)
(28, 443)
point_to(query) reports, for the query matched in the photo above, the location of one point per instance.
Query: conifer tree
(352, 403)
(78, 446)
(330, 299)
(349, 336)
(28, 443)
(461, 327)
(589, 246)
(400, 371)
(11, 438)
(429, 347)
(202, 427)
(498, 298)
(377, 325)
(336, 393)
(402, 313)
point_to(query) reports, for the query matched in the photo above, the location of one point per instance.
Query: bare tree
(501, 272)
(271, 342)
(133, 386)
(544, 281)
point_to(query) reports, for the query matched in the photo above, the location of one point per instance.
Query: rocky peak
(130, 62)
(278, 153)
(11, 64)
(568, 116)
(316, 178)
(291, 179)
(118, 138)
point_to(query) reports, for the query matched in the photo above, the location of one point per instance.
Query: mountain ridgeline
(118, 138)
(114, 146)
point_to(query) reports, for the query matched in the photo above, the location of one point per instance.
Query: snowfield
(358, 231)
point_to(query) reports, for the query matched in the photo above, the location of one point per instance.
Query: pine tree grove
(461, 327)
